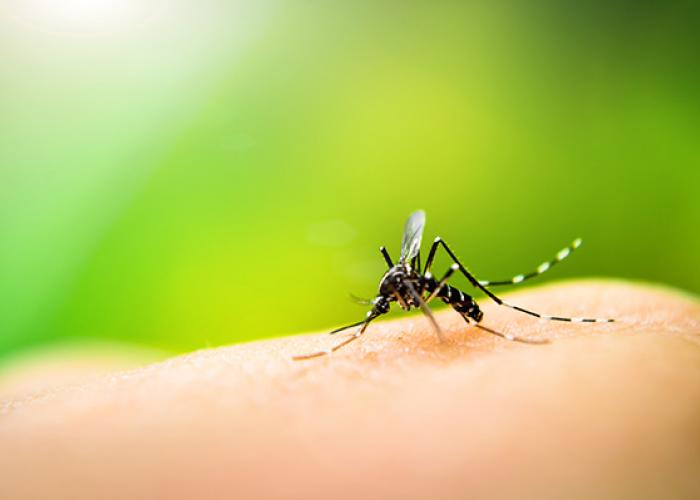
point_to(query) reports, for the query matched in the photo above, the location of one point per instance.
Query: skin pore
(602, 411)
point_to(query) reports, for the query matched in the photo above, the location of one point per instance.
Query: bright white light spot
(78, 15)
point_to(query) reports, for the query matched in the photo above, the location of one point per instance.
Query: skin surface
(603, 411)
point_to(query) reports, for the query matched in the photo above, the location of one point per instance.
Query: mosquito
(412, 286)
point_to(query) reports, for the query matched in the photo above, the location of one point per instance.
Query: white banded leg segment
(542, 268)
(558, 318)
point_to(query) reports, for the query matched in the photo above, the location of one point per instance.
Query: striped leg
(498, 300)
(557, 318)
(542, 268)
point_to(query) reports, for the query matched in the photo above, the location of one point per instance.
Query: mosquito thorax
(393, 280)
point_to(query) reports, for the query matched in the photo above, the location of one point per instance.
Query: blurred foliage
(213, 172)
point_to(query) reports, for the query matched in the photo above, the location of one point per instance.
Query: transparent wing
(412, 235)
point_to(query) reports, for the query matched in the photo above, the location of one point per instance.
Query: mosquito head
(380, 305)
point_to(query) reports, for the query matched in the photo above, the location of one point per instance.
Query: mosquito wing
(412, 235)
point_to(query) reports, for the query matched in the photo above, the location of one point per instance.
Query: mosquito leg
(438, 241)
(500, 301)
(431, 256)
(557, 318)
(542, 268)
(428, 264)
(426, 310)
(508, 336)
(387, 259)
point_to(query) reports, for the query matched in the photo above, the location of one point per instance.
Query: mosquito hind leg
(509, 336)
(438, 242)
(542, 268)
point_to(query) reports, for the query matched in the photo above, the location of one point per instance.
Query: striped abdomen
(460, 301)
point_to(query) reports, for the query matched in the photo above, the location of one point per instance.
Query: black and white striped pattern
(478, 284)
(407, 284)
(542, 268)
(557, 318)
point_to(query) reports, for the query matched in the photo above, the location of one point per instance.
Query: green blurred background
(182, 174)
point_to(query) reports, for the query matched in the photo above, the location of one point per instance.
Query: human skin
(602, 411)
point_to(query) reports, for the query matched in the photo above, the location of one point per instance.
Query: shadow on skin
(603, 410)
